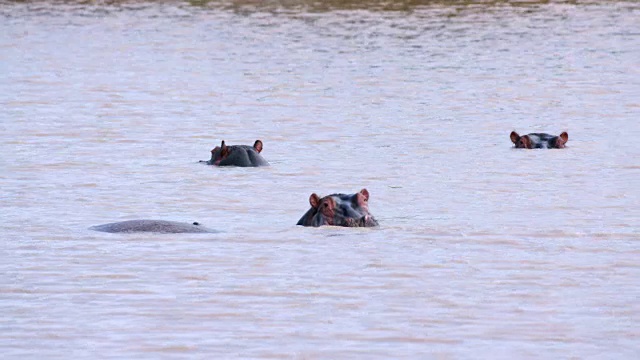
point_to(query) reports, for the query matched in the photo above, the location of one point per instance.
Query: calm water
(483, 251)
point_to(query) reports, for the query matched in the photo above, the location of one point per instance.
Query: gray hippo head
(237, 155)
(539, 140)
(351, 210)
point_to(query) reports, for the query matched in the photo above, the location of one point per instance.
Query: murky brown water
(483, 251)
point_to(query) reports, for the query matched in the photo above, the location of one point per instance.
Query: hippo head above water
(539, 140)
(351, 210)
(237, 155)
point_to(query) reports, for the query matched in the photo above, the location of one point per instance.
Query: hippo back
(155, 226)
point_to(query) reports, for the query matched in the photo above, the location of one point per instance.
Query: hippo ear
(560, 140)
(526, 141)
(564, 137)
(224, 149)
(365, 193)
(258, 146)
(514, 137)
(314, 200)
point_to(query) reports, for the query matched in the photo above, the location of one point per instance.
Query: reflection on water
(483, 250)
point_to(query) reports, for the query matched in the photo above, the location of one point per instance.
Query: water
(483, 250)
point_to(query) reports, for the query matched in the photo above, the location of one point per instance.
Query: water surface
(483, 250)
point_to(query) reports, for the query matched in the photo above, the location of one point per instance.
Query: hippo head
(539, 141)
(223, 151)
(350, 210)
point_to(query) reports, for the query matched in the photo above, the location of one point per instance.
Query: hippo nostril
(196, 223)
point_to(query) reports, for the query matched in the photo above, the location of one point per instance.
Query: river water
(483, 251)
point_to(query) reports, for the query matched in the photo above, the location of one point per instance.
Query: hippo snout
(368, 221)
(364, 221)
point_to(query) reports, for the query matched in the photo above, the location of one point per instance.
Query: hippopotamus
(237, 155)
(539, 140)
(350, 210)
(157, 226)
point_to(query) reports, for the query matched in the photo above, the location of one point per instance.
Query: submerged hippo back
(156, 226)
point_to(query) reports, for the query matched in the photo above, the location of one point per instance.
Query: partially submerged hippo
(237, 155)
(350, 210)
(539, 140)
(157, 226)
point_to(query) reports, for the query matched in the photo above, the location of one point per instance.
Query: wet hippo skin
(539, 140)
(237, 155)
(350, 210)
(154, 226)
